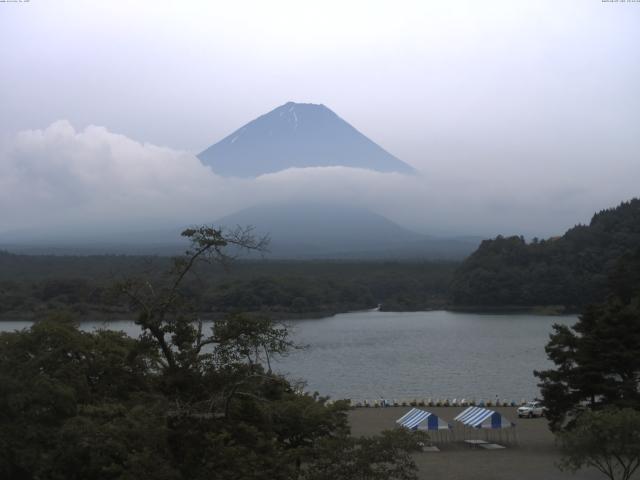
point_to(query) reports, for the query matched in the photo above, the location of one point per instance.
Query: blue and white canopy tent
(417, 419)
(478, 417)
(487, 420)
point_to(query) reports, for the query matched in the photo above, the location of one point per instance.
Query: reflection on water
(368, 355)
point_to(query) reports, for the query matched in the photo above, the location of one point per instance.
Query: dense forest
(559, 274)
(179, 402)
(569, 271)
(31, 285)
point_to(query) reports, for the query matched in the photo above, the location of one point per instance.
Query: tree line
(30, 285)
(570, 271)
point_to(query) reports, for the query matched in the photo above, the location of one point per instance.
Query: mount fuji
(297, 135)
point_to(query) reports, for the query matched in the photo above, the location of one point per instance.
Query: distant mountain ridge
(297, 135)
(302, 231)
(315, 230)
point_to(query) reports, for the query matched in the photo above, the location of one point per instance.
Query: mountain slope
(297, 231)
(571, 270)
(297, 135)
(331, 231)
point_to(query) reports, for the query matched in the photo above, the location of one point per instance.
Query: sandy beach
(533, 457)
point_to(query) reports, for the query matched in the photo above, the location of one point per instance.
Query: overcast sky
(523, 116)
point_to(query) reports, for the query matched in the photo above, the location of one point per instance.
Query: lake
(436, 354)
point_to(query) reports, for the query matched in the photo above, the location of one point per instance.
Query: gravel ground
(533, 457)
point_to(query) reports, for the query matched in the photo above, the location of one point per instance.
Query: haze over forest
(518, 117)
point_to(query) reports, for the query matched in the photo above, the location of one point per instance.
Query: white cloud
(95, 179)
(62, 175)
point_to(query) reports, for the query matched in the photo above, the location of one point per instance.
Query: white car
(531, 409)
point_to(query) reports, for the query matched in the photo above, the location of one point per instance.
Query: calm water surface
(368, 355)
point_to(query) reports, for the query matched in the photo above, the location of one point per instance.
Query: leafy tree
(598, 359)
(177, 403)
(165, 315)
(54, 376)
(385, 457)
(608, 440)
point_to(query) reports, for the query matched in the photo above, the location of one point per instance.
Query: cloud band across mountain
(95, 180)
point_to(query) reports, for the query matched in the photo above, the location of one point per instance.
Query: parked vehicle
(531, 409)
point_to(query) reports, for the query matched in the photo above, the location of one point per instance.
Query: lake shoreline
(373, 354)
(118, 315)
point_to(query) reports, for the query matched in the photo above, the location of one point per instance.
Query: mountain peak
(303, 105)
(290, 103)
(297, 135)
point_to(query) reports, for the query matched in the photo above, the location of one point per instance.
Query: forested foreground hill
(569, 271)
